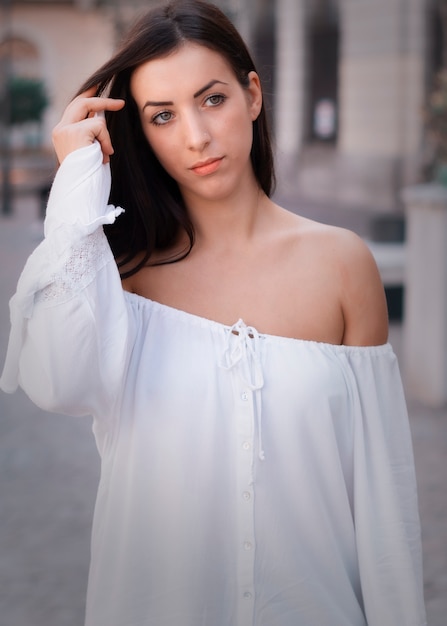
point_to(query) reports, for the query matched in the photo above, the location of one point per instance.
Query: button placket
(246, 549)
(241, 359)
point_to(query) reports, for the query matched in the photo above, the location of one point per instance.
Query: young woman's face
(198, 119)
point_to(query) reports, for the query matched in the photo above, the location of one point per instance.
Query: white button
(246, 495)
(247, 545)
(244, 396)
(246, 445)
(247, 595)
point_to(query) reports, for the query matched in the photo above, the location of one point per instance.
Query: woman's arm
(362, 293)
(69, 329)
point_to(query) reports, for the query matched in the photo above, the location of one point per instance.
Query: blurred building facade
(57, 42)
(345, 80)
(352, 80)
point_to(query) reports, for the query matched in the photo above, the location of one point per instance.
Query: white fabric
(247, 479)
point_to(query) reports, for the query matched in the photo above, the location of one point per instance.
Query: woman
(256, 457)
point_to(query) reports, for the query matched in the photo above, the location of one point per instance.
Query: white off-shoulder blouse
(247, 479)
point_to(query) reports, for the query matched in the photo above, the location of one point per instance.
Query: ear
(254, 93)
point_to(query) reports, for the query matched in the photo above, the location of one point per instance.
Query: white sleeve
(386, 514)
(69, 327)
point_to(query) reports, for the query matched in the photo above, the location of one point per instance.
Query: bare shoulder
(349, 250)
(351, 275)
(336, 244)
(362, 293)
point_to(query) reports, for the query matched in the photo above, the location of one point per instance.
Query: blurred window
(23, 56)
(323, 75)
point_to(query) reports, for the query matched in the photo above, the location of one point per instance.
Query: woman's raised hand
(83, 122)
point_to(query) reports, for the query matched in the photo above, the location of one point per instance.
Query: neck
(227, 222)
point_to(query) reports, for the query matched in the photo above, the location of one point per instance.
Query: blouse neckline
(220, 327)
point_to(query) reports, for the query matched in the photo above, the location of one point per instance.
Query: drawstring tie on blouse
(242, 350)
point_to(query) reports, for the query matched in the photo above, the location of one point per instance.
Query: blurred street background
(357, 95)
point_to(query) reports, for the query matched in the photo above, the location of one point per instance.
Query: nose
(197, 135)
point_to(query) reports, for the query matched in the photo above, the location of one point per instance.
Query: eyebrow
(159, 103)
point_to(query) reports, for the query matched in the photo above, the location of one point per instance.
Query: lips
(203, 168)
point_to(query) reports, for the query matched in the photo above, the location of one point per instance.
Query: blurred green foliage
(25, 101)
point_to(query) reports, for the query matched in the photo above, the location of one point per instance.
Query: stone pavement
(49, 471)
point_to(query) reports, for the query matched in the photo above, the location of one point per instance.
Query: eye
(161, 118)
(215, 99)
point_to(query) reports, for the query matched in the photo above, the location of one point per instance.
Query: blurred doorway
(324, 38)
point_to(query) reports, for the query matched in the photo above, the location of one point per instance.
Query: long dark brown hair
(154, 209)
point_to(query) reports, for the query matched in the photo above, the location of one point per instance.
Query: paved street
(49, 472)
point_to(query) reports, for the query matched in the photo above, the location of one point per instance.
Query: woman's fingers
(68, 137)
(83, 107)
(83, 122)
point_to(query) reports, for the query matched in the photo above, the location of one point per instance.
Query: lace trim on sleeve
(82, 262)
